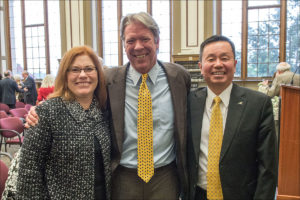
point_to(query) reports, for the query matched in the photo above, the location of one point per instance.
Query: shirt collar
(152, 74)
(225, 96)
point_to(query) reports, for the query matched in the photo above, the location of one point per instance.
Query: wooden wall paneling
(99, 28)
(120, 45)
(244, 40)
(192, 17)
(47, 53)
(289, 147)
(282, 45)
(7, 35)
(23, 34)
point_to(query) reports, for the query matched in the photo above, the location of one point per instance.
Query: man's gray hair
(143, 18)
(7, 73)
(25, 72)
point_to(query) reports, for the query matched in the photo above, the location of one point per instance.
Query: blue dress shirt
(163, 117)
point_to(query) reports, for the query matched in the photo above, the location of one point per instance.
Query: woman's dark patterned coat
(57, 156)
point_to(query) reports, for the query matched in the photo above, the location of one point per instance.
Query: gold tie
(145, 132)
(214, 189)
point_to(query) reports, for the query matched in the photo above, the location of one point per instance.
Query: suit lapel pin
(240, 103)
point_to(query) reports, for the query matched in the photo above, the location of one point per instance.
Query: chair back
(4, 107)
(11, 123)
(3, 114)
(18, 112)
(20, 104)
(28, 106)
(3, 176)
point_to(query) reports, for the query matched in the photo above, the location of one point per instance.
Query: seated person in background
(46, 88)
(67, 154)
(283, 76)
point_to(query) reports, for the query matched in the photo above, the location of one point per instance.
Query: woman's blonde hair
(17, 78)
(61, 82)
(48, 81)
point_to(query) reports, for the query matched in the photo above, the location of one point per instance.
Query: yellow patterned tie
(145, 132)
(214, 189)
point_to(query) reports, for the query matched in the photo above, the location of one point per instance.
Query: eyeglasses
(87, 70)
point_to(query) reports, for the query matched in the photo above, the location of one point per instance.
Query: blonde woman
(46, 88)
(19, 95)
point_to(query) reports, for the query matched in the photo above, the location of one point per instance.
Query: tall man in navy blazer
(248, 162)
(9, 88)
(169, 85)
(29, 83)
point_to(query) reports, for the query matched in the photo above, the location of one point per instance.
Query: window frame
(7, 35)
(46, 31)
(244, 35)
(119, 15)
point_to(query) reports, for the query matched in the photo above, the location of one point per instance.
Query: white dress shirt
(225, 97)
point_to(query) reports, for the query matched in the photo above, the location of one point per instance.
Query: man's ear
(235, 62)
(200, 66)
(157, 44)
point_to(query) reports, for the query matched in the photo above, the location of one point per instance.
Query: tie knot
(217, 100)
(144, 77)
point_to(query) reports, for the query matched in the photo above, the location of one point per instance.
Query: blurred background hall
(34, 35)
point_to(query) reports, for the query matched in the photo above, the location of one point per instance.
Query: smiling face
(140, 47)
(218, 65)
(82, 85)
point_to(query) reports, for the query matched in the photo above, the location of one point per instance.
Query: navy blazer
(8, 88)
(30, 96)
(248, 160)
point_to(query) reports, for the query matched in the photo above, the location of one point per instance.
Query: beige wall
(192, 24)
(188, 26)
(75, 24)
(187, 15)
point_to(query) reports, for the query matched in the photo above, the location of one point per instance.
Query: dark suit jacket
(9, 87)
(31, 95)
(248, 161)
(179, 83)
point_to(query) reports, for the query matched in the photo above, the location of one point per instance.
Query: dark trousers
(200, 194)
(11, 106)
(164, 185)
